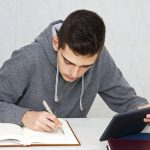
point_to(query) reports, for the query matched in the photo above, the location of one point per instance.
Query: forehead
(78, 60)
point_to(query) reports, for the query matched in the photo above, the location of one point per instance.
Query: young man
(66, 65)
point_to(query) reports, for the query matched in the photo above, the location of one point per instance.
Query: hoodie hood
(45, 41)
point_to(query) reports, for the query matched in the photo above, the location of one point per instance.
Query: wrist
(24, 118)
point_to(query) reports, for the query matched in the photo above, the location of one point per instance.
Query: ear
(55, 43)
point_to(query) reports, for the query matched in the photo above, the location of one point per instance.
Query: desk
(88, 131)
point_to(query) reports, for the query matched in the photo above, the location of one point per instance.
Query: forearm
(122, 99)
(135, 103)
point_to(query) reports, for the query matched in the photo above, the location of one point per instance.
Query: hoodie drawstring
(56, 89)
(82, 90)
(56, 85)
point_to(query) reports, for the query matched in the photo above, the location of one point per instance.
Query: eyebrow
(75, 64)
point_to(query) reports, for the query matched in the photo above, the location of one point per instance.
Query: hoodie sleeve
(115, 90)
(14, 79)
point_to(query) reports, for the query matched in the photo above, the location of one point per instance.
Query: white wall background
(128, 34)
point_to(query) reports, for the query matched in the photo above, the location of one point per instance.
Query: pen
(49, 110)
(107, 147)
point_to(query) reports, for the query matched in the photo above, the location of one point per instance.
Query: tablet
(125, 124)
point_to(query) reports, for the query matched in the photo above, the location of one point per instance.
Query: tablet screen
(125, 124)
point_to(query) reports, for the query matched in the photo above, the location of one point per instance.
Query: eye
(67, 62)
(87, 67)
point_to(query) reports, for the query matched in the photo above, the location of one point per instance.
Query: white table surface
(88, 131)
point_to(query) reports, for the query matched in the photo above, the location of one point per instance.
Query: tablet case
(139, 141)
(125, 124)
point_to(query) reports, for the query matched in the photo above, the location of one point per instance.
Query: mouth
(70, 78)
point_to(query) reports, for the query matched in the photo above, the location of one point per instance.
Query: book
(15, 135)
(139, 141)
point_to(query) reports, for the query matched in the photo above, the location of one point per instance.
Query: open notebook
(14, 135)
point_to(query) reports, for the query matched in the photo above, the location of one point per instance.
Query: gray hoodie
(30, 76)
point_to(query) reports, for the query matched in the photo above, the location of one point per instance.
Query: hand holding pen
(49, 110)
(41, 121)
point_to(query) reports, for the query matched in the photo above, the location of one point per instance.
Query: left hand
(147, 118)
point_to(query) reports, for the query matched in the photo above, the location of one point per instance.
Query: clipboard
(124, 124)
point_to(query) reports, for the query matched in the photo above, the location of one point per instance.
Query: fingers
(48, 122)
(41, 121)
(147, 118)
(54, 119)
(43, 128)
(147, 121)
(50, 125)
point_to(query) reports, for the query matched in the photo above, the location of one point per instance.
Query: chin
(68, 80)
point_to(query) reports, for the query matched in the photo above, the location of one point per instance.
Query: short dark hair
(83, 31)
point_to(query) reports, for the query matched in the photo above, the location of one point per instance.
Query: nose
(75, 72)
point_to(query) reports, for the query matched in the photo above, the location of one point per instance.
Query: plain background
(127, 38)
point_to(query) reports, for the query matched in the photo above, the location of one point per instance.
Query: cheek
(63, 68)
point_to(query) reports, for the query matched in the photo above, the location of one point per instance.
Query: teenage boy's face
(72, 66)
